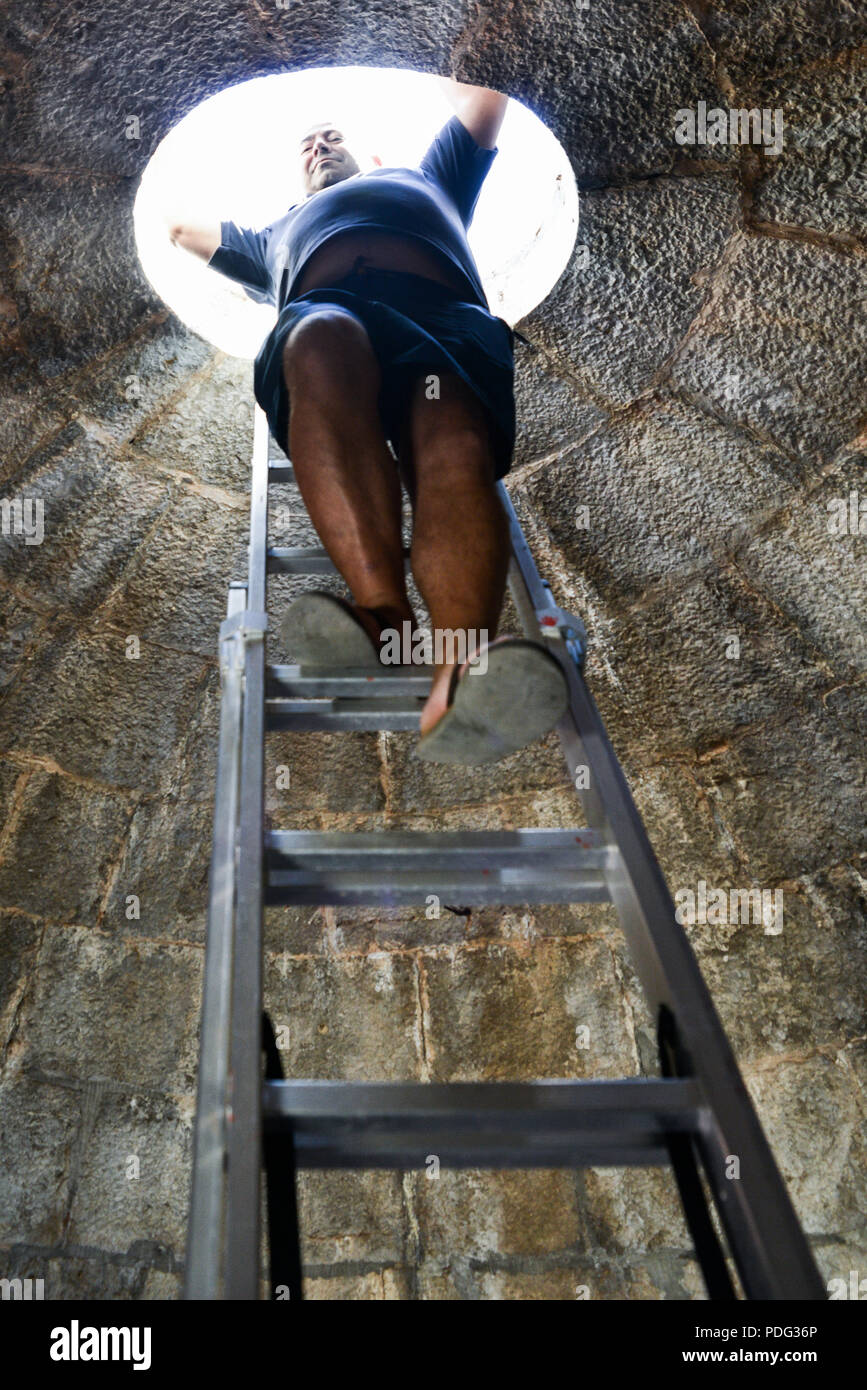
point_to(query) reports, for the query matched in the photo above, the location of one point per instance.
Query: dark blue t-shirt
(434, 202)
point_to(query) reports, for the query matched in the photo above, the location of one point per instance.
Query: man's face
(325, 159)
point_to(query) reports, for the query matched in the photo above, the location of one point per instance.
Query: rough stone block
(20, 625)
(810, 563)
(19, 946)
(781, 38)
(167, 905)
(206, 429)
(38, 1124)
(628, 72)
(346, 1217)
(96, 513)
(632, 1209)
(550, 413)
(785, 354)
(376, 1286)
(110, 719)
(818, 180)
(725, 659)
(175, 593)
(791, 796)
(132, 1173)
(329, 775)
(466, 1217)
(450, 924)
(31, 411)
(609, 519)
(802, 980)
(513, 1012)
(138, 382)
(627, 298)
(37, 874)
(68, 233)
(686, 838)
(813, 1118)
(355, 1018)
(126, 1012)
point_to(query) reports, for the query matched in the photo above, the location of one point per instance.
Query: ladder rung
(536, 1124)
(285, 682)
(355, 716)
(528, 847)
(280, 471)
(303, 559)
(405, 867)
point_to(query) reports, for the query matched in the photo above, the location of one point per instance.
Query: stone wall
(696, 381)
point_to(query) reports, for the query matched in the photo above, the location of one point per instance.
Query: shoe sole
(520, 697)
(319, 631)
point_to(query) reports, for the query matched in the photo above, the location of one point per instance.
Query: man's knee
(326, 342)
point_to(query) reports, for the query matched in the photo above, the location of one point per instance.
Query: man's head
(324, 158)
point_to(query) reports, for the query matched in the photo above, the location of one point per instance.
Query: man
(384, 335)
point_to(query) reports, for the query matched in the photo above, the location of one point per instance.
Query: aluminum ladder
(696, 1115)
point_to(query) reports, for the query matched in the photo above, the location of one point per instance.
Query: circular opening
(234, 158)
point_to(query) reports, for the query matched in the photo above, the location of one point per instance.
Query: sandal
(521, 695)
(322, 629)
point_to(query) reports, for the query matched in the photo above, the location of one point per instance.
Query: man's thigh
(321, 337)
(443, 432)
(329, 333)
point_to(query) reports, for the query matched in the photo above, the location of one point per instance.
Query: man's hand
(202, 239)
(479, 109)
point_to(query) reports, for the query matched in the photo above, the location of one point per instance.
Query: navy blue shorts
(414, 325)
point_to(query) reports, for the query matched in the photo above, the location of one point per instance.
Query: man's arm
(238, 252)
(480, 110)
(202, 239)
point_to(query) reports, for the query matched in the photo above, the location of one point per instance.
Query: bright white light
(234, 158)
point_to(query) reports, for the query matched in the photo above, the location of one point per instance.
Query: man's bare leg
(460, 545)
(345, 472)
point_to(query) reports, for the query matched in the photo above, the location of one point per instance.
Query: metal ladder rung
(535, 1124)
(358, 716)
(405, 867)
(541, 848)
(303, 559)
(310, 682)
(354, 699)
(504, 887)
(280, 471)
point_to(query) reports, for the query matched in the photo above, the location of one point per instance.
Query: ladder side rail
(771, 1252)
(205, 1226)
(243, 1213)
